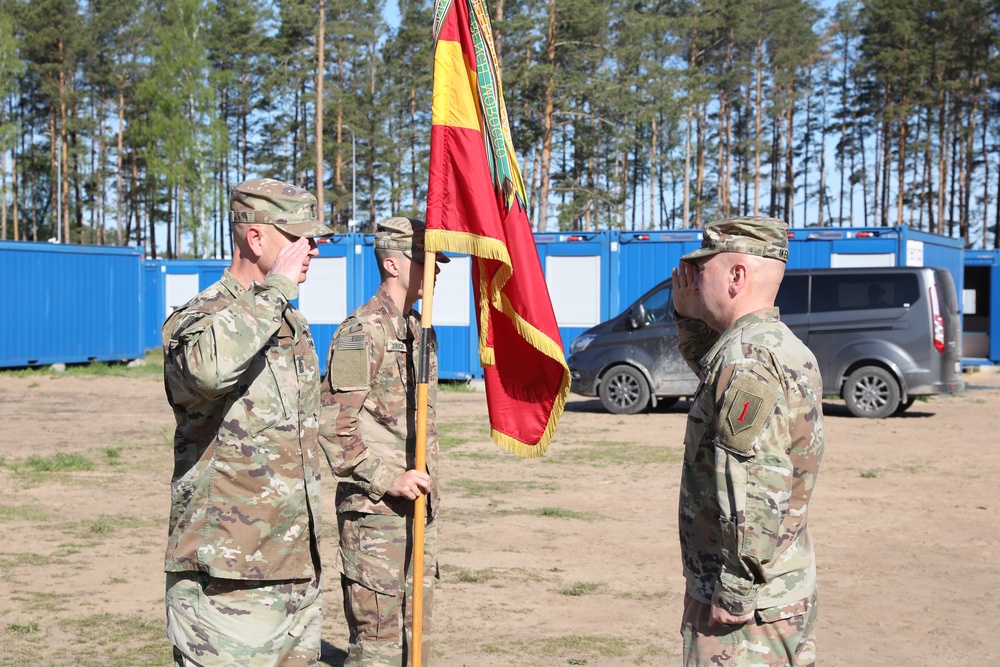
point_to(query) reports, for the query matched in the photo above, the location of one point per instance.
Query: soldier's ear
(391, 265)
(738, 278)
(255, 240)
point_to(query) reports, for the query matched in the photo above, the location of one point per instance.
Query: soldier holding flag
(369, 431)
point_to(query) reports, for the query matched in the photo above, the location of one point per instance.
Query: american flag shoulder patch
(353, 342)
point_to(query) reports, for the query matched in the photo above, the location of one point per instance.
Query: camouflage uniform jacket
(369, 407)
(753, 446)
(242, 376)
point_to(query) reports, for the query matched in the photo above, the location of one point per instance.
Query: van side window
(656, 306)
(863, 292)
(793, 295)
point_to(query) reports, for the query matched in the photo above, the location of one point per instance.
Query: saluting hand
(292, 261)
(686, 298)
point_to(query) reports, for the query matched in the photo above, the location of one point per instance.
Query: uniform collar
(232, 285)
(399, 321)
(735, 329)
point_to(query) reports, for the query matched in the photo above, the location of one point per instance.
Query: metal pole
(354, 182)
(59, 196)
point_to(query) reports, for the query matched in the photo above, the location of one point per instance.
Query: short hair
(380, 256)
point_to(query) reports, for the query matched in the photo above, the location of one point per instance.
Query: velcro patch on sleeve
(349, 368)
(747, 404)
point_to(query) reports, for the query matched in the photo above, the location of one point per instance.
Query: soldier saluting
(241, 373)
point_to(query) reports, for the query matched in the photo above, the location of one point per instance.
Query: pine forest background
(127, 121)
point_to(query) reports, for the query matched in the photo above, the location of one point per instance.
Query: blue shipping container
(69, 304)
(578, 268)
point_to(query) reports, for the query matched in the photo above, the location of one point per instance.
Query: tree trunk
(986, 167)
(758, 123)
(700, 150)
(320, 49)
(548, 112)
(790, 153)
(686, 202)
(944, 142)
(498, 33)
(823, 199)
(652, 173)
(901, 162)
(64, 175)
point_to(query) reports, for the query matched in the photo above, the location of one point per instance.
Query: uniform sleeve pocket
(263, 397)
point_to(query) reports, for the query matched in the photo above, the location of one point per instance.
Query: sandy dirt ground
(571, 559)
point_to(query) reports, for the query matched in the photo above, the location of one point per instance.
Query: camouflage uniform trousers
(377, 583)
(216, 622)
(766, 641)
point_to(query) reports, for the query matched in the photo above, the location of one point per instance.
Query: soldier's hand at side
(410, 484)
(291, 259)
(686, 300)
(722, 617)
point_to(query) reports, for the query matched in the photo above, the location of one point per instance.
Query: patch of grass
(616, 453)
(113, 454)
(117, 580)
(22, 628)
(105, 524)
(475, 576)
(449, 441)
(115, 640)
(60, 462)
(13, 559)
(452, 434)
(561, 513)
(869, 474)
(456, 386)
(33, 385)
(31, 513)
(153, 367)
(47, 604)
(582, 588)
(478, 489)
(579, 646)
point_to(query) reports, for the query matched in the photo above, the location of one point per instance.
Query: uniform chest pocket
(264, 395)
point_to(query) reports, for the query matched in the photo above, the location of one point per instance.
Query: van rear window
(863, 292)
(793, 295)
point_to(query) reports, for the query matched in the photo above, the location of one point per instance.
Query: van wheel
(871, 392)
(624, 391)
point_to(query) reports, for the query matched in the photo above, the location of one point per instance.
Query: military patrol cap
(266, 201)
(758, 235)
(405, 235)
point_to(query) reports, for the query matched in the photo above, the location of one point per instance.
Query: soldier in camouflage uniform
(753, 446)
(241, 373)
(369, 433)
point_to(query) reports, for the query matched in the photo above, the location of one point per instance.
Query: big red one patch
(746, 406)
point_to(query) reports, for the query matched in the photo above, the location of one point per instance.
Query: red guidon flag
(476, 205)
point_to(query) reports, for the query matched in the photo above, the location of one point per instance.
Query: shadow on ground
(331, 655)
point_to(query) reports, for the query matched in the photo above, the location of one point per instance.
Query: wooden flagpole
(420, 460)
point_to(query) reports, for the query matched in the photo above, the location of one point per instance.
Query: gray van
(882, 336)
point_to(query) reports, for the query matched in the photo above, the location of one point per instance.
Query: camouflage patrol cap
(270, 202)
(405, 235)
(757, 235)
